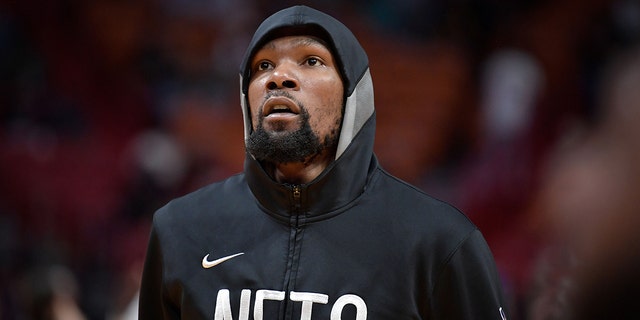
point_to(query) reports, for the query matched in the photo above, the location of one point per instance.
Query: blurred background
(524, 114)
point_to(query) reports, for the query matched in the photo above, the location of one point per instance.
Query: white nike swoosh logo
(208, 264)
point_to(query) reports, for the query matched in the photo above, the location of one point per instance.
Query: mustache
(278, 93)
(283, 94)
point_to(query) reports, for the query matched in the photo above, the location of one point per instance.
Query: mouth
(279, 107)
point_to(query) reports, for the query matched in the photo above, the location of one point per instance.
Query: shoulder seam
(447, 260)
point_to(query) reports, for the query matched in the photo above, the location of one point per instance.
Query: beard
(300, 145)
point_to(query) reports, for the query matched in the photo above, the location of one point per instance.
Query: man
(313, 228)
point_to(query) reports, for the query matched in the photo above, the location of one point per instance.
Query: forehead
(292, 42)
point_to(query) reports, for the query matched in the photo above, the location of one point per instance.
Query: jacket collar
(336, 187)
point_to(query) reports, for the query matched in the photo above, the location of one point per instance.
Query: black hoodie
(355, 243)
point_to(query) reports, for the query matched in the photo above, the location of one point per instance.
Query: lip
(275, 103)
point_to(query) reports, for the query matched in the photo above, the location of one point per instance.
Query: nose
(282, 78)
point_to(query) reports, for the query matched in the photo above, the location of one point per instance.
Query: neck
(301, 172)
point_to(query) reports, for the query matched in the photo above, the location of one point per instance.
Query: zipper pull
(296, 193)
(296, 198)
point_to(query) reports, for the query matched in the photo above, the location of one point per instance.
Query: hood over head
(352, 61)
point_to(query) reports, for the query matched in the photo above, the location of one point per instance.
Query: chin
(279, 128)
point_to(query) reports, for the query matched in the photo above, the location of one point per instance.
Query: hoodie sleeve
(469, 286)
(153, 299)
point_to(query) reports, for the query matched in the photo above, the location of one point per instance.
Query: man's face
(295, 97)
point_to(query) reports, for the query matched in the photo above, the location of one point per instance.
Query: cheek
(334, 102)
(330, 114)
(336, 94)
(254, 100)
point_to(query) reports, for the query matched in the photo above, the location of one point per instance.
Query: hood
(352, 61)
(346, 178)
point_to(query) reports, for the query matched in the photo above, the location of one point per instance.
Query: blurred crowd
(524, 114)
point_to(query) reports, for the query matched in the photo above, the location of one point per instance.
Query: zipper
(295, 236)
(297, 202)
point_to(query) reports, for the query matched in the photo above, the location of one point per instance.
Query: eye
(313, 61)
(263, 65)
